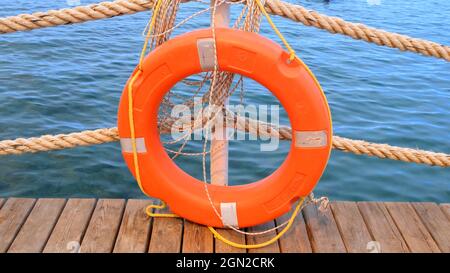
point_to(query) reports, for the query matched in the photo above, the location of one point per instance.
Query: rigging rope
(222, 92)
(161, 23)
(93, 137)
(297, 13)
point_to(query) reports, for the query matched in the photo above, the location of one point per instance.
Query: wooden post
(219, 143)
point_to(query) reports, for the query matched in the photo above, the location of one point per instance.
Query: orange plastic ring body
(262, 60)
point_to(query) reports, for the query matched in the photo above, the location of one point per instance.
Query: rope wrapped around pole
(105, 135)
(296, 13)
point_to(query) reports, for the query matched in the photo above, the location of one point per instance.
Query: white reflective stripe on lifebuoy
(229, 214)
(205, 49)
(311, 139)
(127, 146)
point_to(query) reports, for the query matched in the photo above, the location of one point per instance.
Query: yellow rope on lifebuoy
(149, 208)
(130, 96)
(148, 211)
(268, 242)
(131, 118)
(292, 54)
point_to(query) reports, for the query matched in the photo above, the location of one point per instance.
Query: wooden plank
(411, 227)
(166, 235)
(351, 226)
(196, 238)
(382, 227)
(134, 230)
(436, 222)
(36, 230)
(323, 232)
(12, 216)
(446, 209)
(102, 230)
(234, 236)
(295, 240)
(71, 226)
(257, 239)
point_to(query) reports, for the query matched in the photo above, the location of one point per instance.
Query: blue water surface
(70, 78)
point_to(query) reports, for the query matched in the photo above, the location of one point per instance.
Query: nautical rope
(74, 15)
(161, 23)
(58, 142)
(275, 238)
(130, 95)
(105, 135)
(357, 31)
(296, 13)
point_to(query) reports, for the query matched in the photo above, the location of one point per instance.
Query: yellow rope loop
(149, 31)
(292, 54)
(218, 236)
(130, 96)
(148, 211)
(132, 129)
(149, 208)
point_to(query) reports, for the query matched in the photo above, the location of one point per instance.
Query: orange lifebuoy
(262, 60)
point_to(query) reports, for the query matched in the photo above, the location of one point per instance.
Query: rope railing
(105, 135)
(296, 13)
(357, 31)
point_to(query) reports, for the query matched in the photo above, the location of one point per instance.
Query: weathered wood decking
(117, 225)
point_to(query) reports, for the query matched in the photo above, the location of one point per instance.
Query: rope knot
(322, 202)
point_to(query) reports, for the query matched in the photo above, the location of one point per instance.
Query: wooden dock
(118, 225)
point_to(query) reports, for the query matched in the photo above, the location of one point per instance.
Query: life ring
(252, 56)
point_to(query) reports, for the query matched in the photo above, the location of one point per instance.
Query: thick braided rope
(296, 13)
(74, 15)
(357, 31)
(58, 142)
(92, 137)
(386, 151)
